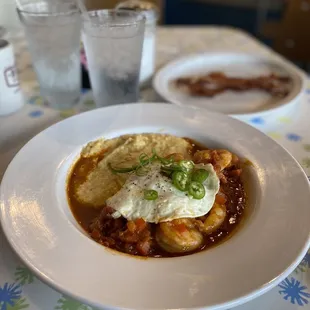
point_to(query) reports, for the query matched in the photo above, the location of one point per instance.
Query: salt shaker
(150, 12)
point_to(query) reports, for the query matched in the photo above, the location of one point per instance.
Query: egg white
(171, 203)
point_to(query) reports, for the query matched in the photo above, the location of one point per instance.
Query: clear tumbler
(113, 41)
(53, 33)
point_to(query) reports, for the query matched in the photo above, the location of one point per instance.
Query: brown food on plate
(216, 83)
(191, 216)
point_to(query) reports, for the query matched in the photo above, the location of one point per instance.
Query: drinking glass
(113, 41)
(53, 33)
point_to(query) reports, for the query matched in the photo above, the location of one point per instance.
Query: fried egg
(171, 203)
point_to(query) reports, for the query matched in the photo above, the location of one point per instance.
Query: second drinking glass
(113, 42)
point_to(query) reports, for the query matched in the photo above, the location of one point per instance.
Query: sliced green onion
(200, 175)
(186, 164)
(180, 180)
(166, 172)
(144, 159)
(164, 161)
(150, 194)
(141, 171)
(196, 190)
(173, 167)
(122, 170)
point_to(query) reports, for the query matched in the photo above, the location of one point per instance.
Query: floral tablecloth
(19, 289)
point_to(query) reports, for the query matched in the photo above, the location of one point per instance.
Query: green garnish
(183, 174)
(172, 168)
(144, 159)
(200, 175)
(141, 171)
(122, 170)
(150, 194)
(180, 180)
(164, 161)
(187, 165)
(196, 190)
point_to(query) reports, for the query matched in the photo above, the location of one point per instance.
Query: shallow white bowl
(37, 221)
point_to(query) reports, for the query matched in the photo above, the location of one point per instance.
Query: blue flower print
(32, 100)
(293, 137)
(306, 260)
(9, 294)
(36, 113)
(84, 90)
(257, 121)
(304, 266)
(293, 291)
(37, 100)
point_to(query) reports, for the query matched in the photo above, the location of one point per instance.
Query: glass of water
(53, 32)
(113, 43)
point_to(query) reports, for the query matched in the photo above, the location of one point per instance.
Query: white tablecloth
(19, 289)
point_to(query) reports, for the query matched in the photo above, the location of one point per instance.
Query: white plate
(41, 229)
(244, 105)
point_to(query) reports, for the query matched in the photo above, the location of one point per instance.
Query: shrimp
(214, 220)
(203, 157)
(225, 158)
(220, 158)
(178, 236)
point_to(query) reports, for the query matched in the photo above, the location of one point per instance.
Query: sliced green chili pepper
(186, 165)
(200, 175)
(150, 194)
(180, 180)
(196, 190)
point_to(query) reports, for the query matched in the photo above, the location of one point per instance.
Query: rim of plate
(35, 219)
(298, 76)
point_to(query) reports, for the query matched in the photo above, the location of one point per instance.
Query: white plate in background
(242, 105)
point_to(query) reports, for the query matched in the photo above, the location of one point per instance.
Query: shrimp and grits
(156, 195)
